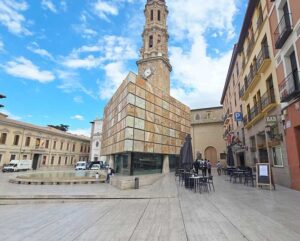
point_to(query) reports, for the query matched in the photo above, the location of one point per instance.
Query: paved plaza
(162, 211)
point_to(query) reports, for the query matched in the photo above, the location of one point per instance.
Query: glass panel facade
(144, 163)
(173, 162)
(122, 164)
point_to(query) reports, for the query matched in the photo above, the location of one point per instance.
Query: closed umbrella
(188, 152)
(230, 159)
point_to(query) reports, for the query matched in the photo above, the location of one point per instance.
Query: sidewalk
(162, 211)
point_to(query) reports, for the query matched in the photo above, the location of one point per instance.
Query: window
(47, 144)
(66, 160)
(24, 157)
(72, 160)
(97, 143)
(197, 118)
(277, 156)
(68, 146)
(12, 157)
(151, 15)
(223, 156)
(88, 149)
(27, 141)
(37, 142)
(159, 39)
(16, 140)
(54, 145)
(3, 138)
(81, 148)
(61, 145)
(52, 160)
(158, 15)
(59, 160)
(150, 41)
(73, 148)
(237, 70)
(44, 160)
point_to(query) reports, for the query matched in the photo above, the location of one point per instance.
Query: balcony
(290, 87)
(259, 22)
(283, 30)
(242, 92)
(263, 60)
(258, 111)
(251, 44)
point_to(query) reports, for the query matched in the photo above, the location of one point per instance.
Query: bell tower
(154, 65)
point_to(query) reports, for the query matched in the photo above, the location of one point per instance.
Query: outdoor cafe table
(239, 174)
(195, 178)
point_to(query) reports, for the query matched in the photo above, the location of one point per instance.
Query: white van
(81, 165)
(18, 165)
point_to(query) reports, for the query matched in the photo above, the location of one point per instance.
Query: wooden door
(211, 154)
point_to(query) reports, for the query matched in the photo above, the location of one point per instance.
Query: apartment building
(259, 94)
(46, 146)
(285, 29)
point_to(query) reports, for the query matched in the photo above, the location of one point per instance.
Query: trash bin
(136, 183)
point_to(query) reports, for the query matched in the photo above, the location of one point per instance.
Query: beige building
(252, 83)
(46, 146)
(143, 126)
(207, 131)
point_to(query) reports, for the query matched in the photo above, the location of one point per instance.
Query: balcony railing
(267, 99)
(262, 56)
(290, 87)
(283, 30)
(242, 92)
(260, 21)
(250, 45)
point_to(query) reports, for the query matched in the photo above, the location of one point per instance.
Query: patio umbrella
(187, 155)
(181, 157)
(230, 159)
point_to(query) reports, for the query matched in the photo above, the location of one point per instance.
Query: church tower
(154, 65)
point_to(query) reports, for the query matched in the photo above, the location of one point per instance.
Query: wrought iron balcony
(290, 87)
(262, 57)
(283, 30)
(267, 99)
(251, 44)
(242, 92)
(260, 21)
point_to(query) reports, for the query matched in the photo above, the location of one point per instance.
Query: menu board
(264, 175)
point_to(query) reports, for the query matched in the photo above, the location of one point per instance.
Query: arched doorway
(211, 154)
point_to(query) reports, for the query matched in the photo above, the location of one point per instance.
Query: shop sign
(271, 120)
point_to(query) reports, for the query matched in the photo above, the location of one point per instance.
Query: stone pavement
(162, 211)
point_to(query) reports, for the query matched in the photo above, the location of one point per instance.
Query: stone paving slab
(234, 212)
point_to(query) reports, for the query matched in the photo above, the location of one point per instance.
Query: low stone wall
(127, 182)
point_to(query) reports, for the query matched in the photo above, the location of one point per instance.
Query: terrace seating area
(241, 175)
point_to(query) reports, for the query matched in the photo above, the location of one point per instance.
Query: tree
(60, 127)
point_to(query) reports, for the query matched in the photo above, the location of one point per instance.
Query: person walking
(209, 168)
(196, 166)
(219, 168)
(204, 167)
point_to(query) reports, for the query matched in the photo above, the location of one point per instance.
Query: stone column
(166, 168)
(111, 162)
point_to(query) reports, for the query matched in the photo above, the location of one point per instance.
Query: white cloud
(81, 132)
(78, 99)
(86, 63)
(24, 68)
(115, 73)
(11, 17)
(63, 5)
(77, 117)
(71, 83)
(48, 4)
(102, 9)
(10, 115)
(197, 78)
(1, 45)
(37, 50)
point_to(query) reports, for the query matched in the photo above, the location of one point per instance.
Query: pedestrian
(204, 168)
(109, 173)
(97, 175)
(219, 168)
(209, 168)
(196, 166)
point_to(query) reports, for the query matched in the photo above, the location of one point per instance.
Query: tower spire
(154, 62)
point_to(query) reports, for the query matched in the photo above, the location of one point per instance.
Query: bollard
(136, 183)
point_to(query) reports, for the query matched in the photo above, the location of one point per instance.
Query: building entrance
(35, 161)
(211, 154)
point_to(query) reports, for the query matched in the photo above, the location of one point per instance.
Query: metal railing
(283, 30)
(259, 22)
(267, 99)
(290, 86)
(250, 45)
(263, 55)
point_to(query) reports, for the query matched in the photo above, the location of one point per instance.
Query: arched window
(151, 15)
(158, 15)
(150, 41)
(97, 143)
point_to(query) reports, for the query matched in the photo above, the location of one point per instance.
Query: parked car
(90, 164)
(96, 167)
(17, 165)
(81, 165)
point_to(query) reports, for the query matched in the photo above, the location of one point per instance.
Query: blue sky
(61, 60)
